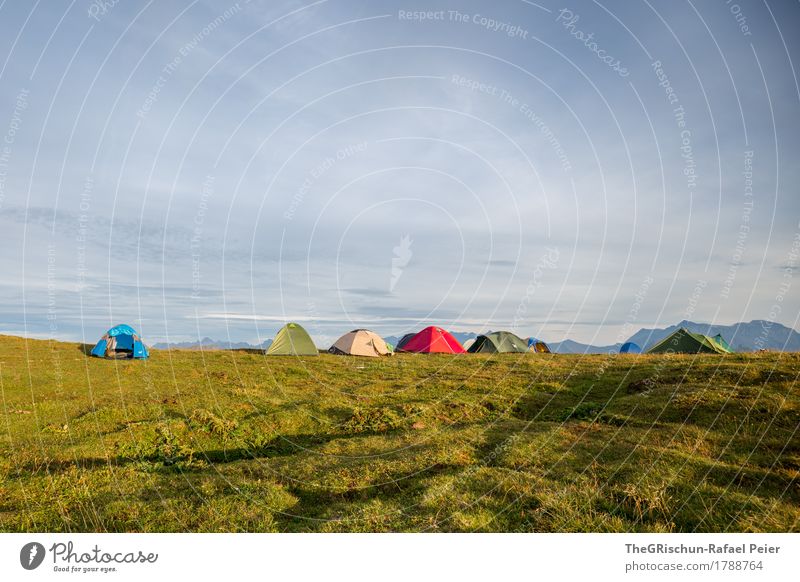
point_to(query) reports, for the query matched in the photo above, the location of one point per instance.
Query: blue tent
(538, 346)
(121, 341)
(630, 348)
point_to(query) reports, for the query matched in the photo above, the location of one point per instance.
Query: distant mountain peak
(208, 343)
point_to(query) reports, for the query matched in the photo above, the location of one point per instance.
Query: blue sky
(564, 170)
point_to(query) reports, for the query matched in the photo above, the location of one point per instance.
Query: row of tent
(122, 341)
(292, 339)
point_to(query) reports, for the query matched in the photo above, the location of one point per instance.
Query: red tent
(433, 340)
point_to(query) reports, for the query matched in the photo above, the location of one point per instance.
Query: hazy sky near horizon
(577, 169)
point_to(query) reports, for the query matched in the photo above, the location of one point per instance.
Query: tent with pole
(684, 341)
(433, 340)
(538, 346)
(121, 342)
(403, 341)
(292, 340)
(721, 341)
(360, 342)
(498, 342)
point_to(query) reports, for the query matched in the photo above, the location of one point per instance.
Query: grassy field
(234, 441)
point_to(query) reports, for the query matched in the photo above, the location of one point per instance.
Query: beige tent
(360, 342)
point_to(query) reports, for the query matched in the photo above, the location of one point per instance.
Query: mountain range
(209, 344)
(742, 337)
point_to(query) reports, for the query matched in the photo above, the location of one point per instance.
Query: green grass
(235, 441)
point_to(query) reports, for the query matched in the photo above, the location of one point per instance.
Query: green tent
(292, 340)
(684, 341)
(498, 341)
(721, 341)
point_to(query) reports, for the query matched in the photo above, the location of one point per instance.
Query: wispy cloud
(374, 170)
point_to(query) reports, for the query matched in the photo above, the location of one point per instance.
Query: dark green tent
(684, 341)
(292, 340)
(498, 341)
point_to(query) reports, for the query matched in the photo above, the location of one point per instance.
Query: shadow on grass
(280, 446)
(323, 505)
(85, 349)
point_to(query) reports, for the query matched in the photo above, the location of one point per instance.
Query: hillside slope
(235, 441)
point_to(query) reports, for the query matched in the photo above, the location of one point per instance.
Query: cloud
(323, 152)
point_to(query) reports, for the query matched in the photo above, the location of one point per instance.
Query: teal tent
(121, 342)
